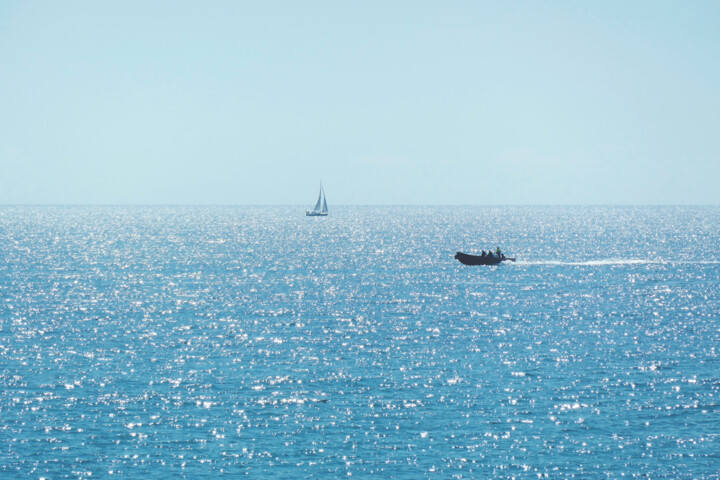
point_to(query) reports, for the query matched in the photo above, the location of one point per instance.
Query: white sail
(319, 201)
(321, 209)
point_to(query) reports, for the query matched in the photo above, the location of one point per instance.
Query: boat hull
(466, 259)
(316, 214)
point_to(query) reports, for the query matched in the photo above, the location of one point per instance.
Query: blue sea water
(197, 342)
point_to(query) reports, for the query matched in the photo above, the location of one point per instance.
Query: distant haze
(385, 102)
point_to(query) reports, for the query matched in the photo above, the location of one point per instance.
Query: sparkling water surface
(195, 342)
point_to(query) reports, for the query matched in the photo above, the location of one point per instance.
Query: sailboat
(320, 209)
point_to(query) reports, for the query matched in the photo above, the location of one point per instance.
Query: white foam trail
(617, 261)
(607, 261)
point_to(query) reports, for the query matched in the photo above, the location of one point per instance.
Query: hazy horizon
(370, 205)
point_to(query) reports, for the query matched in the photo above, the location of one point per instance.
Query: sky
(386, 102)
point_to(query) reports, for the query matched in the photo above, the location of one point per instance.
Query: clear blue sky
(386, 102)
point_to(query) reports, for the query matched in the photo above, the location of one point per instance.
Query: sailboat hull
(315, 214)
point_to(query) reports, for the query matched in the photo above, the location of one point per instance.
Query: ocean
(203, 342)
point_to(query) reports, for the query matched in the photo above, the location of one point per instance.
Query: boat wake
(617, 261)
(591, 263)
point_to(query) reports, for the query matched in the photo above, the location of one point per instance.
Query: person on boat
(483, 253)
(497, 251)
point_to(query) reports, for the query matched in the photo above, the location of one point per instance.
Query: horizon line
(250, 205)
